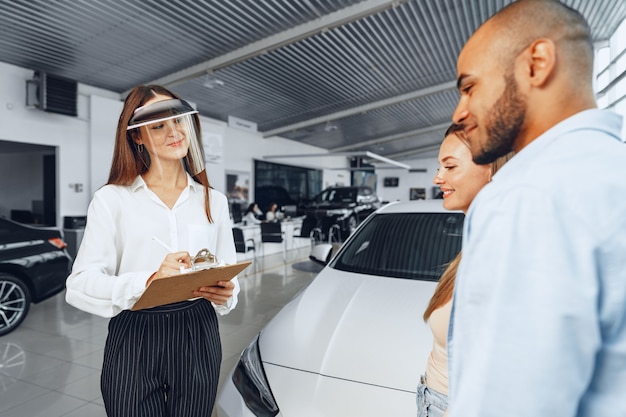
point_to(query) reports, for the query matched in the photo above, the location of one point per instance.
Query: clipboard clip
(204, 259)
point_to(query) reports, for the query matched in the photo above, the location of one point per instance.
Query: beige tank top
(437, 365)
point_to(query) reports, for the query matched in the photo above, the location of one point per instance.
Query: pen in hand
(163, 244)
(168, 249)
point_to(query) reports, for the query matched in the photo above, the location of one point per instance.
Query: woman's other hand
(217, 295)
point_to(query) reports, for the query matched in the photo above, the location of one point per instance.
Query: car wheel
(14, 303)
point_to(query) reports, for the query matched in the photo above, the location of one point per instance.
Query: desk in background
(288, 227)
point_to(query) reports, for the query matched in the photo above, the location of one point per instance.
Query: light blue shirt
(539, 320)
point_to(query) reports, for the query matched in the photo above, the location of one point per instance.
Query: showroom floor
(50, 366)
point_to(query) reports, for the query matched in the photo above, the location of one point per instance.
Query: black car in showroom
(33, 267)
(339, 210)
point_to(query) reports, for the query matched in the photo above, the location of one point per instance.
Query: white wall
(407, 180)
(69, 134)
(103, 115)
(240, 148)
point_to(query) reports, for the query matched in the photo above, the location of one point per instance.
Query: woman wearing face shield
(156, 211)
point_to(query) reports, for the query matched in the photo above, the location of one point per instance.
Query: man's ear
(540, 61)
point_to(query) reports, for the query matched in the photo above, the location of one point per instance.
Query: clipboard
(181, 287)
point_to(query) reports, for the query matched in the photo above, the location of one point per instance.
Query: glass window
(296, 183)
(620, 65)
(603, 58)
(603, 102)
(404, 245)
(603, 80)
(618, 40)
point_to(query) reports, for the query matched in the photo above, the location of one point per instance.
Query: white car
(353, 343)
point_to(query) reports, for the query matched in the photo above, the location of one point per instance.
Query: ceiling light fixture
(366, 154)
(210, 81)
(329, 127)
(381, 158)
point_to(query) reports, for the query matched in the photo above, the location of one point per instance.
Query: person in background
(156, 210)
(539, 314)
(459, 179)
(252, 214)
(272, 213)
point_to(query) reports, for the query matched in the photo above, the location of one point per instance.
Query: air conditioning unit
(52, 94)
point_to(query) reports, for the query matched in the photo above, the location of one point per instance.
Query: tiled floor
(50, 366)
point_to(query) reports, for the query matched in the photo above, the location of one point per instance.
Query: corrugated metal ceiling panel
(98, 42)
(402, 48)
(380, 123)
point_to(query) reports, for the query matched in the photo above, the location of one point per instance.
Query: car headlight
(249, 378)
(338, 212)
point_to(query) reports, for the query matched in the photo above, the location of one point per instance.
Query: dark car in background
(34, 265)
(339, 210)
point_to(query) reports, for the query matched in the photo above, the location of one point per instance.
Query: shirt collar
(601, 120)
(140, 183)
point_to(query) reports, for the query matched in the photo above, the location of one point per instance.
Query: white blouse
(118, 254)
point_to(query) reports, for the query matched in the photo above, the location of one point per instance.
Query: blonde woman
(459, 179)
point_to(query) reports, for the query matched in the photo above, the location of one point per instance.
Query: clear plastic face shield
(166, 132)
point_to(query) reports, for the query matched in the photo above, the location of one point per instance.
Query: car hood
(355, 327)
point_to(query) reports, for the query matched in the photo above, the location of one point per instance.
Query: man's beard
(504, 124)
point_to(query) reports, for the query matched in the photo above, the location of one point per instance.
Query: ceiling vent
(52, 94)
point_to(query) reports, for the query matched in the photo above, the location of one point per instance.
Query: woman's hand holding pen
(171, 265)
(218, 295)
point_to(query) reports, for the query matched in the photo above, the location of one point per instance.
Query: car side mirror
(321, 253)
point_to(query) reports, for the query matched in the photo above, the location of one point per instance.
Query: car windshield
(338, 195)
(404, 245)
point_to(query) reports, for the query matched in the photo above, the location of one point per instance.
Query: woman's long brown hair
(127, 164)
(445, 287)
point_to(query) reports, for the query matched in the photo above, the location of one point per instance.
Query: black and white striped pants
(163, 361)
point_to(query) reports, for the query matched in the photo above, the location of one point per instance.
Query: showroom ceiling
(343, 75)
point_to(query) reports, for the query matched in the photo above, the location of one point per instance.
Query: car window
(346, 195)
(337, 195)
(403, 245)
(323, 196)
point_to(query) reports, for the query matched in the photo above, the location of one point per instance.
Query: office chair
(308, 230)
(236, 213)
(272, 232)
(334, 234)
(243, 245)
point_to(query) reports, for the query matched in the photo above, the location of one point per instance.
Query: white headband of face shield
(182, 113)
(159, 112)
